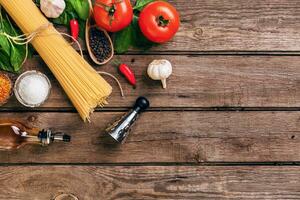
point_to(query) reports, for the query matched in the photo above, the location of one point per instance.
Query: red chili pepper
(74, 26)
(128, 73)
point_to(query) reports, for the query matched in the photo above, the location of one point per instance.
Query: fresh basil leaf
(140, 4)
(123, 39)
(81, 7)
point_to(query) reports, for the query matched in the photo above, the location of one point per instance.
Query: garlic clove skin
(52, 8)
(160, 70)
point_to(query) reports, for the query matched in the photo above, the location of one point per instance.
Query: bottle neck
(32, 139)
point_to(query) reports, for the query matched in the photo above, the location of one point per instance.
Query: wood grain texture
(182, 182)
(235, 25)
(199, 81)
(167, 137)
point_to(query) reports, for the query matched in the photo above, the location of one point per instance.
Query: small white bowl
(20, 78)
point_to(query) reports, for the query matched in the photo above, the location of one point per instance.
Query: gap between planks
(210, 164)
(156, 109)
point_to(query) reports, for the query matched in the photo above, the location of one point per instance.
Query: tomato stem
(104, 6)
(112, 10)
(161, 21)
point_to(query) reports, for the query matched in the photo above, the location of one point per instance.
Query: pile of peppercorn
(99, 44)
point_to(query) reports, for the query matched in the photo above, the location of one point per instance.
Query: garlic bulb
(160, 70)
(52, 8)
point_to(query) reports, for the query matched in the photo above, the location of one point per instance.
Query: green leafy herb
(132, 36)
(123, 39)
(5, 62)
(140, 4)
(17, 56)
(140, 41)
(11, 54)
(4, 44)
(81, 7)
(78, 9)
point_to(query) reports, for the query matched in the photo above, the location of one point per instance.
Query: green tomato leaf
(140, 4)
(123, 39)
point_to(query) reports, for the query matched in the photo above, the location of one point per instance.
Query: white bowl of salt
(32, 88)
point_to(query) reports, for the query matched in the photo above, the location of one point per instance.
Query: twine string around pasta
(25, 39)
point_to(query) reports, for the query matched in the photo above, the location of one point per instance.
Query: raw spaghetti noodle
(85, 88)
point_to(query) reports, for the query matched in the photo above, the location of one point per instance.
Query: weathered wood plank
(199, 81)
(181, 182)
(167, 137)
(236, 25)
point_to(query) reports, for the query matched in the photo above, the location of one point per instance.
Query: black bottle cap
(141, 104)
(42, 134)
(66, 138)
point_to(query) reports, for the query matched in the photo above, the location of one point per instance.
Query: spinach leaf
(4, 45)
(131, 36)
(81, 7)
(82, 28)
(123, 39)
(68, 14)
(140, 4)
(4, 62)
(11, 54)
(63, 19)
(139, 40)
(17, 56)
(78, 9)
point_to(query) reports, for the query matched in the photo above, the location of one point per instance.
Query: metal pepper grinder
(120, 129)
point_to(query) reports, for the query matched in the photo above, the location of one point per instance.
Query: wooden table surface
(227, 126)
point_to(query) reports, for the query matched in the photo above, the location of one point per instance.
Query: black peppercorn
(99, 44)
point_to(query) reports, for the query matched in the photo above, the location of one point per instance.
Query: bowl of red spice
(5, 88)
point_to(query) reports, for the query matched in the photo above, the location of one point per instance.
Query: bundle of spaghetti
(84, 86)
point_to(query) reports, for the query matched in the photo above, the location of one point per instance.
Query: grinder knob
(141, 104)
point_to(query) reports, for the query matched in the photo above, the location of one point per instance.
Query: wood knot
(293, 137)
(198, 33)
(31, 118)
(268, 23)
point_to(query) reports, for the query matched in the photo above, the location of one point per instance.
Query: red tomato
(113, 15)
(159, 21)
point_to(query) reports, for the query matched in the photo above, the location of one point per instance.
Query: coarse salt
(32, 88)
